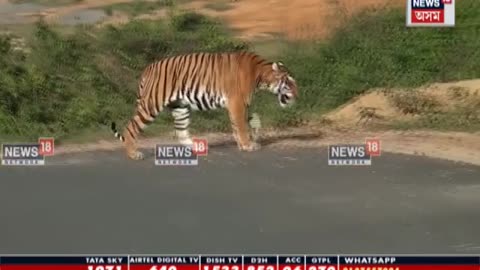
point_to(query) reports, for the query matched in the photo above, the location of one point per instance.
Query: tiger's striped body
(204, 81)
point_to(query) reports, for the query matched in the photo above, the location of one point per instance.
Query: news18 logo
(430, 12)
(354, 154)
(180, 155)
(27, 154)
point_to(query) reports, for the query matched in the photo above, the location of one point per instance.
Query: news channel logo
(421, 13)
(354, 154)
(27, 154)
(180, 155)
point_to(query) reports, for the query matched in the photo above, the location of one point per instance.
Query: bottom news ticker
(239, 262)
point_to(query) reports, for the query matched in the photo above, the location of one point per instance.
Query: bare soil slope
(299, 19)
(388, 105)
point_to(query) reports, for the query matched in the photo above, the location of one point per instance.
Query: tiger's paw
(185, 141)
(137, 155)
(253, 146)
(183, 137)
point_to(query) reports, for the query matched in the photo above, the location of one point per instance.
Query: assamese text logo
(180, 155)
(431, 13)
(27, 154)
(354, 154)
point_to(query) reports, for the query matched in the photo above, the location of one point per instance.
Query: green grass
(271, 48)
(71, 84)
(47, 2)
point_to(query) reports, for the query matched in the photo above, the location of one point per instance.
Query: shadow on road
(264, 141)
(301, 137)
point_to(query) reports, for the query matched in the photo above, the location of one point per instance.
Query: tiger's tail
(116, 133)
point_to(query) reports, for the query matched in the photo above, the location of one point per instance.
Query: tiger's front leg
(238, 119)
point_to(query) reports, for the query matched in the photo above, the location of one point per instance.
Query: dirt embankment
(379, 108)
(384, 106)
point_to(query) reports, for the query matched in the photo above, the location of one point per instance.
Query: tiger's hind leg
(141, 119)
(181, 118)
(238, 119)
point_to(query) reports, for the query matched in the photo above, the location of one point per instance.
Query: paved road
(273, 201)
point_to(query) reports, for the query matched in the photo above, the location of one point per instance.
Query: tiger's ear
(278, 66)
(275, 66)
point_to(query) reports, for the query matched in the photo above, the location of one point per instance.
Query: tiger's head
(282, 84)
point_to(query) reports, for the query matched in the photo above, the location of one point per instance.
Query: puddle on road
(87, 16)
(9, 12)
(15, 14)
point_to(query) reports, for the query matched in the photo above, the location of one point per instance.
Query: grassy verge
(71, 84)
(68, 84)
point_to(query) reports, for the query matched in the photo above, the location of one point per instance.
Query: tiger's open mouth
(286, 99)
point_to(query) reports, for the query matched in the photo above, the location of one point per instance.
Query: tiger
(204, 81)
